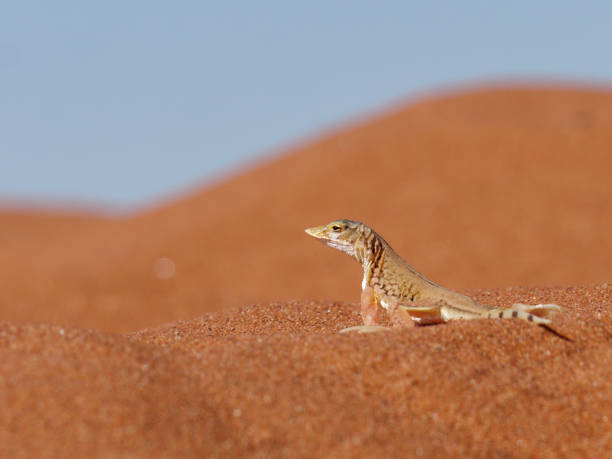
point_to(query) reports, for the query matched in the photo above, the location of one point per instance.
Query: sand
(105, 350)
(277, 380)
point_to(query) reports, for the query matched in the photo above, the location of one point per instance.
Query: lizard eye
(336, 228)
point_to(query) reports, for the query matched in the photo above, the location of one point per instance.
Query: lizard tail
(540, 310)
(537, 314)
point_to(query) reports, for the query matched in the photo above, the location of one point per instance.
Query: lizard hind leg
(421, 312)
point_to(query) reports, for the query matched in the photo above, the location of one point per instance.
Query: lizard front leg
(369, 313)
(370, 309)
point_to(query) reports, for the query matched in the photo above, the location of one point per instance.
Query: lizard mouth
(320, 233)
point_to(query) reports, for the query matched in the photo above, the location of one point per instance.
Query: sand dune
(278, 380)
(480, 190)
(484, 188)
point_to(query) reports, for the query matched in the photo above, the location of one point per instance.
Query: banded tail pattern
(538, 313)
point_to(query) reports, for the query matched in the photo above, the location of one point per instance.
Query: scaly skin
(407, 296)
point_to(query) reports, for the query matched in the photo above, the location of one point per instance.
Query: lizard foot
(365, 329)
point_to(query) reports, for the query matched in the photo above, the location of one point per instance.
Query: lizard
(407, 296)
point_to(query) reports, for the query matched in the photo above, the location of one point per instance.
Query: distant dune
(487, 188)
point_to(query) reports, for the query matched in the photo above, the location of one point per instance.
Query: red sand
(477, 190)
(278, 380)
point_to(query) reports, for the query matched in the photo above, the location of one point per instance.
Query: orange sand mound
(277, 380)
(479, 189)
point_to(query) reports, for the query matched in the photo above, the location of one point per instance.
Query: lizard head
(339, 234)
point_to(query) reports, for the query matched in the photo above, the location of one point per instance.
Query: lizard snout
(315, 231)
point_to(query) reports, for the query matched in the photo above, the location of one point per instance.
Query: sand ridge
(277, 380)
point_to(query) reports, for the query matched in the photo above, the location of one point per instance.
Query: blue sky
(119, 103)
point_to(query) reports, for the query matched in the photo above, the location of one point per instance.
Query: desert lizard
(406, 295)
